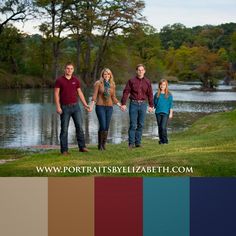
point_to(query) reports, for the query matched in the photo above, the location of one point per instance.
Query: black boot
(100, 140)
(104, 139)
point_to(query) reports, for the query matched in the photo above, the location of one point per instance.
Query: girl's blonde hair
(112, 82)
(167, 93)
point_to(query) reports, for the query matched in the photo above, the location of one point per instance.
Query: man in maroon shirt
(66, 92)
(139, 90)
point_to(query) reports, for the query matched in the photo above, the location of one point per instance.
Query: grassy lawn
(208, 146)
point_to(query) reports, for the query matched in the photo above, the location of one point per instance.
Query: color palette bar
(114, 206)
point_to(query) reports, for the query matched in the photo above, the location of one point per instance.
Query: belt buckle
(71, 104)
(138, 101)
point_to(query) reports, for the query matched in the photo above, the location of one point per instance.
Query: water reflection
(28, 117)
(198, 96)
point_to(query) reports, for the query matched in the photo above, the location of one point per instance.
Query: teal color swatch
(166, 206)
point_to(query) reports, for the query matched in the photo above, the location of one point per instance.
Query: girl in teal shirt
(163, 101)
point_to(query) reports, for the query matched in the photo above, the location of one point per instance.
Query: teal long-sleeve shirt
(163, 104)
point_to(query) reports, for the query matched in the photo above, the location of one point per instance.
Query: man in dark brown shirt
(66, 92)
(139, 90)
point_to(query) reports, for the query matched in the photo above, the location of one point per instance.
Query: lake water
(28, 117)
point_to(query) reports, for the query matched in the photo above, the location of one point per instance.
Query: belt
(70, 105)
(137, 101)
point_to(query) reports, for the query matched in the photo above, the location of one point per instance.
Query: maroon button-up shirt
(138, 89)
(68, 89)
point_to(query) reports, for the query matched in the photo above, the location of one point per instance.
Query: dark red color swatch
(118, 206)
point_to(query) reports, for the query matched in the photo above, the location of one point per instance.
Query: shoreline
(208, 146)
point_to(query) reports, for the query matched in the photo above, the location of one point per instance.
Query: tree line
(98, 33)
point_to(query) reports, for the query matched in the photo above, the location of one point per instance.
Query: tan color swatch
(23, 206)
(71, 206)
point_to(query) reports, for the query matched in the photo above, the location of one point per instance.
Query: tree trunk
(87, 68)
(56, 48)
(96, 68)
(78, 54)
(14, 66)
(43, 58)
(99, 57)
(1, 28)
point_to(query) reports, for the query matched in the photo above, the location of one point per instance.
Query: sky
(188, 12)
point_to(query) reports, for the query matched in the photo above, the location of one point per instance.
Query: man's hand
(123, 107)
(90, 108)
(59, 110)
(86, 107)
(150, 109)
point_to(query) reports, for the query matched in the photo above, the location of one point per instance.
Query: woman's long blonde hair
(167, 93)
(111, 80)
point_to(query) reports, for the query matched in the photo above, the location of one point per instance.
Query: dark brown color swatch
(71, 206)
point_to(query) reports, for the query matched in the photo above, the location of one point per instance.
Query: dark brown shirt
(98, 95)
(138, 89)
(68, 89)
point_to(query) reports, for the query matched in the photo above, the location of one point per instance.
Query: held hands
(90, 108)
(123, 108)
(150, 109)
(87, 107)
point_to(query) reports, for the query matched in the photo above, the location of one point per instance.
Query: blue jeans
(104, 114)
(162, 119)
(73, 111)
(137, 113)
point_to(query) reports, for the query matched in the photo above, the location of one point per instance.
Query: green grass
(208, 146)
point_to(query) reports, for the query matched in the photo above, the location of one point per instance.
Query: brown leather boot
(104, 139)
(100, 140)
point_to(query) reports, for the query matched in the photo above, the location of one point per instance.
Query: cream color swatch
(23, 206)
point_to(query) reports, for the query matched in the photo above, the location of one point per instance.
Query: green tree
(225, 40)
(37, 57)
(115, 16)
(210, 36)
(83, 20)
(146, 46)
(196, 63)
(12, 49)
(55, 13)
(120, 59)
(232, 67)
(93, 23)
(208, 69)
(13, 10)
(175, 35)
